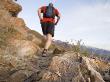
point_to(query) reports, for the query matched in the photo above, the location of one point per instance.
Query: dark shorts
(48, 28)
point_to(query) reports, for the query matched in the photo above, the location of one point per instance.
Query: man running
(48, 23)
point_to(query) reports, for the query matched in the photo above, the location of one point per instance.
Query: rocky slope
(21, 60)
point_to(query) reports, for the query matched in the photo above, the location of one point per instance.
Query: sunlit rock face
(18, 44)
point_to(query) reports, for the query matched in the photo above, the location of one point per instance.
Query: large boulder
(68, 68)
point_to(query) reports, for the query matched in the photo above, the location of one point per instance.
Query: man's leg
(47, 44)
(45, 38)
(48, 41)
(49, 32)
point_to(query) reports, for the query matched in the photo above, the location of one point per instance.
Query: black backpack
(49, 12)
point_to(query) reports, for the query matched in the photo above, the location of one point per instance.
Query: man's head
(51, 4)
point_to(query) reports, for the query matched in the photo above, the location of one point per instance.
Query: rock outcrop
(67, 68)
(18, 44)
(21, 60)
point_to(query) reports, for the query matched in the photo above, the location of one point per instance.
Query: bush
(80, 48)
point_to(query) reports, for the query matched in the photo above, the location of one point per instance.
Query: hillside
(99, 51)
(21, 60)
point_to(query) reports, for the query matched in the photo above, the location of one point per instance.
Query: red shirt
(43, 10)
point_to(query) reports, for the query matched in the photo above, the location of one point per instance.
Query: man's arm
(39, 13)
(58, 18)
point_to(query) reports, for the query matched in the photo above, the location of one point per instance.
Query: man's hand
(58, 18)
(41, 19)
(56, 23)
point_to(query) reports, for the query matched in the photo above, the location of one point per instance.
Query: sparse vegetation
(79, 49)
(76, 48)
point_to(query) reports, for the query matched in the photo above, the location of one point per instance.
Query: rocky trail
(21, 59)
(42, 67)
